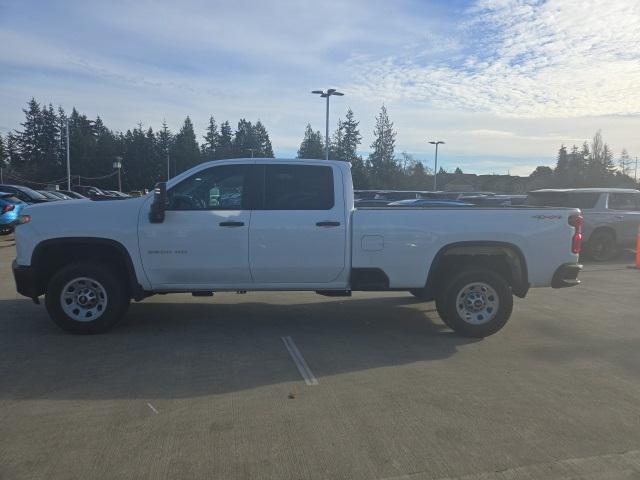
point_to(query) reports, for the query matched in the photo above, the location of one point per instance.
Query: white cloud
(559, 58)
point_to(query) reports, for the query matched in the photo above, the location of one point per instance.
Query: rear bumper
(26, 280)
(566, 276)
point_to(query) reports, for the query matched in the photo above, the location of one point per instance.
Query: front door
(298, 234)
(203, 241)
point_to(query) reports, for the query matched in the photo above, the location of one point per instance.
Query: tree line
(36, 153)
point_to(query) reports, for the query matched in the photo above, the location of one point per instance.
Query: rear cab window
(298, 187)
(581, 200)
(624, 201)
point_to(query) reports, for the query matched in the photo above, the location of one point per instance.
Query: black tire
(421, 293)
(601, 246)
(497, 310)
(98, 278)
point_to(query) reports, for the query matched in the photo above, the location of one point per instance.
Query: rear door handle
(231, 224)
(327, 224)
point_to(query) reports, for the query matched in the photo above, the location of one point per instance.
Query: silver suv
(611, 216)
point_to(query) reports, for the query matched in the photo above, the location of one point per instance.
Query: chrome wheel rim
(477, 303)
(83, 299)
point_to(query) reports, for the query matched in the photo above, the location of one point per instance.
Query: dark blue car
(10, 207)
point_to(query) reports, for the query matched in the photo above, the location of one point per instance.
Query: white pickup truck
(265, 224)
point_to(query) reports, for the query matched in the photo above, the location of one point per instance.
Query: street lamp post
(251, 150)
(435, 166)
(118, 165)
(327, 94)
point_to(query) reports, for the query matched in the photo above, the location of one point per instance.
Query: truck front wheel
(475, 303)
(86, 298)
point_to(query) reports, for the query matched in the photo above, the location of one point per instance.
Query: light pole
(168, 165)
(435, 166)
(118, 165)
(251, 150)
(327, 94)
(68, 160)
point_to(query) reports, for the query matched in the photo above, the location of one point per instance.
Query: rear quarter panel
(404, 242)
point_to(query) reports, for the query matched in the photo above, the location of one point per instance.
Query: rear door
(298, 234)
(626, 212)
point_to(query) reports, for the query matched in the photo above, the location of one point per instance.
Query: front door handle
(327, 224)
(231, 224)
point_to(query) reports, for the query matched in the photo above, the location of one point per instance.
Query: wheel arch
(512, 263)
(49, 255)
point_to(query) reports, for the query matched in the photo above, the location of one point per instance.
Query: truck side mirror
(156, 213)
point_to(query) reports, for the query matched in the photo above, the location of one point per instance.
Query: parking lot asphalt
(192, 387)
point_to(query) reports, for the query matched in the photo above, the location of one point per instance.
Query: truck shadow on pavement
(178, 350)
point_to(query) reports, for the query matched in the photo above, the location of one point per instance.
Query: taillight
(8, 208)
(22, 219)
(576, 221)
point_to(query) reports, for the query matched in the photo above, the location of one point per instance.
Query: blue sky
(503, 82)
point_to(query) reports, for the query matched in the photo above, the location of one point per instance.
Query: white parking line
(152, 408)
(298, 359)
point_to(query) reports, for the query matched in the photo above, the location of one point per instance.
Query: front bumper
(566, 276)
(8, 227)
(26, 280)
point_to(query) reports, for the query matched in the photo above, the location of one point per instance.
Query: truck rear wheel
(601, 246)
(475, 303)
(86, 298)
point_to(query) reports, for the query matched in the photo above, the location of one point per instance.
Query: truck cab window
(623, 201)
(216, 188)
(298, 187)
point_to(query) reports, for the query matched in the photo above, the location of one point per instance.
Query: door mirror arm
(159, 203)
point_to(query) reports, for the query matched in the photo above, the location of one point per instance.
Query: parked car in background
(611, 216)
(371, 203)
(136, 193)
(10, 207)
(59, 194)
(116, 193)
(72, 195)
(430, 202)
(50, 195)
(25, 194)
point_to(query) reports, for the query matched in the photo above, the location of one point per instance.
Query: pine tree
(312, 146)
(3, 154)
(624, 162)
(263, 141)
(185, 152)
(225, 148)
(28, 140)
(336, 146)
(211, 141)
(164, 141)
(382, 163)
(245, 142)
(351, 138)
(458, 171)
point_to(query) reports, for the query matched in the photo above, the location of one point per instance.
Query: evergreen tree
(312, 146)
(336, 146)
(625, 162)
(164, 141)
(3, 154)
(263, 141)
(384, 168)
(458, 171)
(211, 141)
(351, 138)
(245, 141)
(185, 152)
(561, 170)
(28, 140)
(225, 148)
